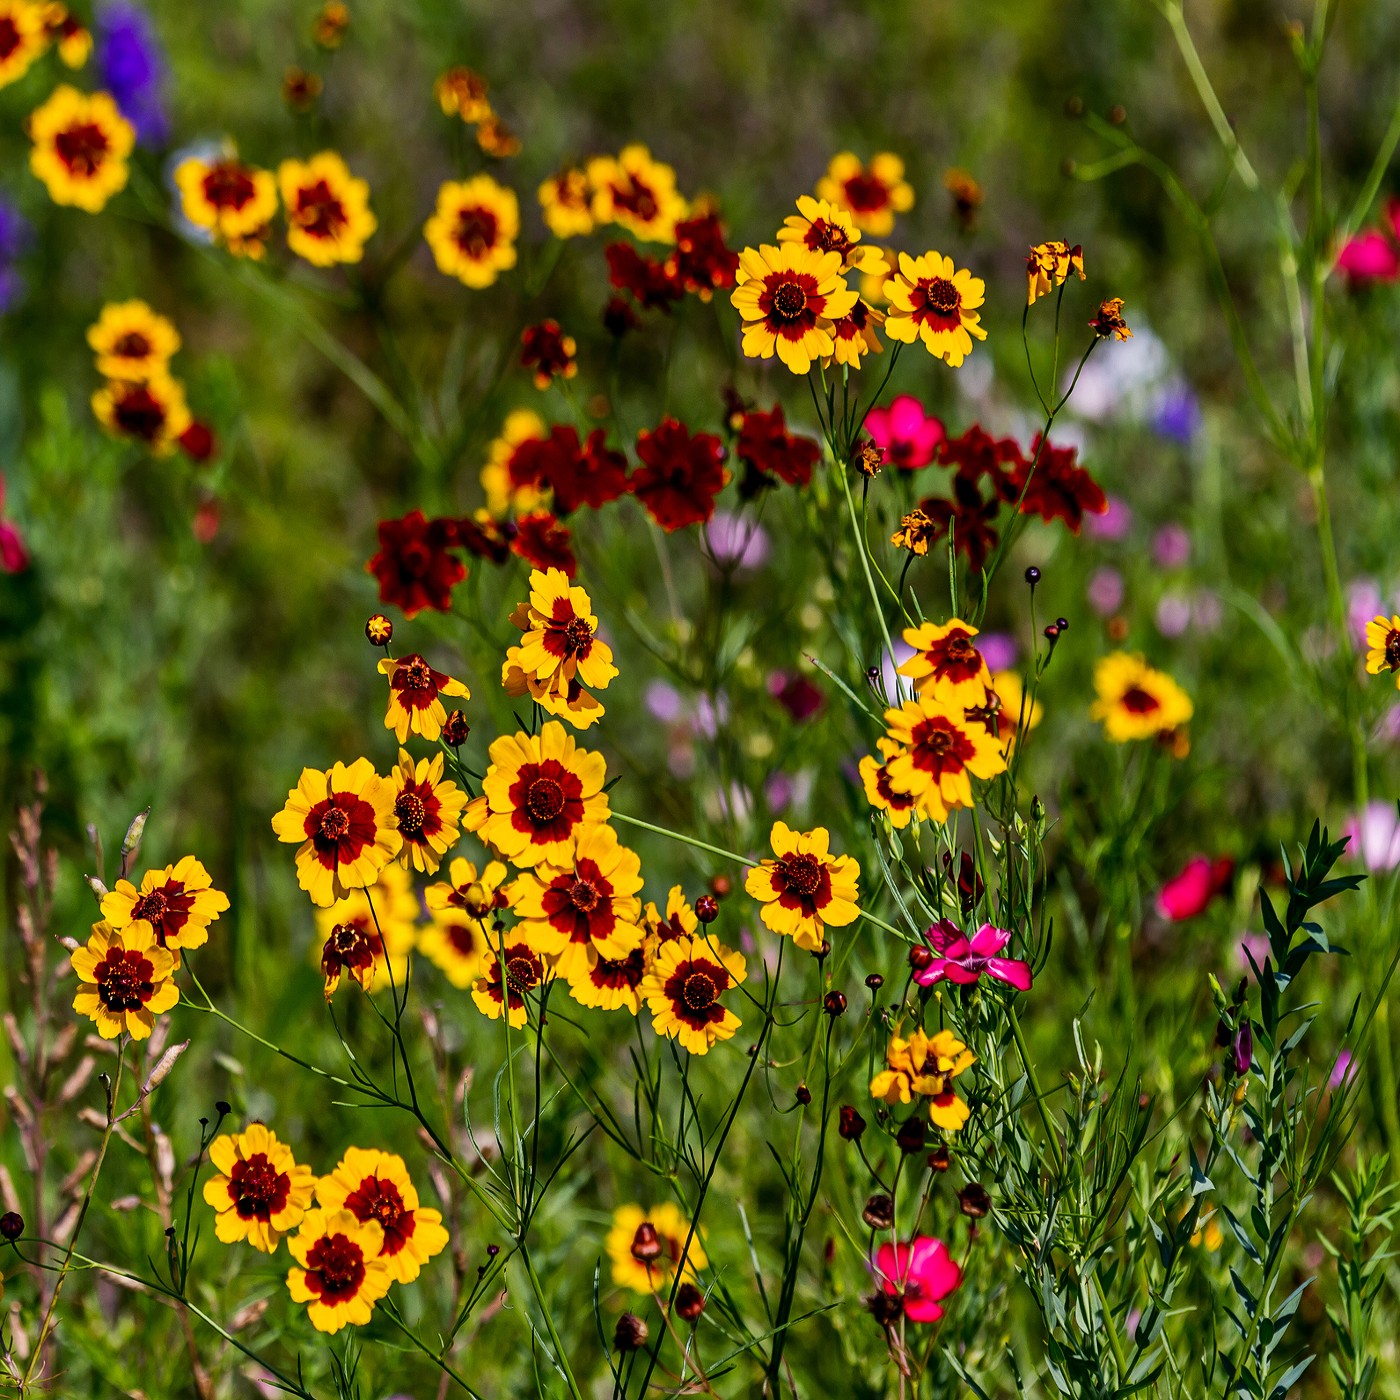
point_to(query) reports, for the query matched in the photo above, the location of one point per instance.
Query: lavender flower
(133, 68)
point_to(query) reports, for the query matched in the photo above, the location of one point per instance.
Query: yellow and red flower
(872, 194)
(1109, 322)
(329, 219)
(429, 810)
(260, 1192)
(344, 821)
(917, 531)
(637, 192)
(152, 412)
(567, 203)
(125, 980)
(853, 335)
(234, 201)
(880, 791)
(933, 301)
(1135, 701)
(545, 348)
(805, 888)
(679, 921)
(939, 752)
(331, 22)
(925, 1066)
(507, 479)
(415, 691)
(945, 663)
(1004, 712)
(81, 144)
(788, 297)
(176, 904)
(375, 1185)
(463, 910)
(559, 638)
(131, 342)
(1383, 646)
(341, 1273)
(610, 984)
(1048, 265)
(647, 1247)
(462, 93)
(473, 230)
(524, 970)
(682, 990)
(827, 228)
(23, 37)
(368, 935)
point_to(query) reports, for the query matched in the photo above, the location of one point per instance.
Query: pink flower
(14, 557)
(908, 435)
(1187, 894)
(963, 960)
(1375, 836)
(1369, 257)
(918, 1274)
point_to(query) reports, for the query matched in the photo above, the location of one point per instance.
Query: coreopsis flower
(544, 543)
(485, 537)
(933, 301)
(568, 700)
(788, 296)
(540, 791)
(507, 974)
(300, 89)
(344, 821)
(637, 192)
(610, 984)
(560, 633)
(67, 33)
(261, 1192)
(549, 351)
(413, 566)
(576, 474)
(919, 1275)
(828, 228)
(853, 335)
(81, 145)
(962, 960)
(924, 1066)
(567, 203)
(153, 412)
(977, 454)
(1048, 265)
(768, 450)
(496, 139)
(234, 201)
(23, 37)
(176, 904)
(804, 888)
(583, 907)
(131, 342)
(1109, 322)
(367, 935)
(648, 1247)
(1003, 711)
(1191, 891)
(1059, 488)
(968, 517)
(917, 530)
(879, 791)
(966, 195)
(415, 691)
(473, 230)
(872, 194)
(1383, 646)
(462, 909)
(341, 1270)
(908, 435)
(511, 478)
(1135, 701)
(940, 752)
(375, 1185)
(649, 281)
(429, 809)
(679, 921)
(682, 990)
(331, 22)
(680, 476)
(701, 261)
(329, 220)
(945, 663)
(124, 980)
(462, 93)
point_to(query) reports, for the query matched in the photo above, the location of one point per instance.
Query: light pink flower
(908, 435)
(963, 960)
(1375, 836)
(919, 1274)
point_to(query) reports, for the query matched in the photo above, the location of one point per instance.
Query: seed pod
(973, 1200)
(879, 1212)
(631, 1333)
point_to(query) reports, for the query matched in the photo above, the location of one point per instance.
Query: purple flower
(998, 650)
(736, 542)
(1171, 547)
(1173, 614)
(664, 702)
(1242, 1048)
(1376, 836)
(133, 68)
(1177, 412)
(1113, 524)
(14, 240)
(1364, 601)
(1342, 1070)
(1106, 590)
(963, 960)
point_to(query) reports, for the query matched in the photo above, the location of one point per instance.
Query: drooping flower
(945, 664)
(329, 220)
(804, 888)
(701, 261)
(917, 531)
(788, 295)
(1383, 646)
(375, 1186)
(549, 351)
(261, 1192)
(919, 1274)
(940, 752)
(648, 1247)
(682, 990)
(963, 960)
(681, 474)
(1048, 266)
(124, 980)
(511, 478)
(133, 68)
(567, 203)
(67, 33)
(1135, 701)
(853, 335)
(872, 194)
(462, 910)
(507, 974)
(637, 192)
(1188, 893)
(153, 412)
(429, 808)
(341, 1272)
(176, 904)
(924, 1066)
(933, 301)
(368, 934)
(610, 984)
(1109, 322)
(908, 436)
(766, 447)
(1003, 711)
(415, 691)
(543, 542)
(131, 342)
(413, 566)
(234, 201)
(679, 921)
(81, 145)
(23, 37)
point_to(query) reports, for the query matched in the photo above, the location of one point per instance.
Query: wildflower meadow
(699, 700)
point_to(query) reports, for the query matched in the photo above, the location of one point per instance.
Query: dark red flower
(701, 263)
(1059, 489)
(619, 318)
(796, 694)
(542, 542)
(680, 475)
(590, 474)
(549, 351)
(198, 442)
(971, 519)
(413, 566)
(486, 538)
(766, 446)
(647, 280)
(977, 454)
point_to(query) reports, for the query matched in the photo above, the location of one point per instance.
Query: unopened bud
(646, 1243)
(631, 1333)
(804, 1095)
(911, 1134)
(690, 1302)
(879, 1212)
(874, 981)
(851, 1125)
(920, 957)
(721, 886)
(938, 1159)
(707, 909)
(379, 630)
(131, 842)
(455, 729)
(99, 890)
(973, 1200)
(835, 1004)
(11, 1225)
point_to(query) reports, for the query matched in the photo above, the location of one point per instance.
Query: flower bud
(379, 630)
(874, 981)
(910, 1137)
(707, 909)
(938, 1159)
(804, 1095)
(973, 1200)
(1062, 623)
(223, 1108)
(455, 729)
(11, 1225)
(631, 1333)
(920, 957)
(1032, 575)
(835, 1004)
(131, 843)
(690, 1302)
(646, 1244)
(852, 1125)
(879, 1212)
(1242, 1050)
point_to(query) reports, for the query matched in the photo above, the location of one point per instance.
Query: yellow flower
(1383, 639)
(344, 821)
(234, 201)
(131, 342)
(374, 1185)
(125, 980)
(507, 490)
(328, 214)
(462, 93)
(648, 1246)
(1109, 322)
(80, 147)
(472, 232)
(567, 205)
(872, 194)
(637, 192)
(805, 888)
(826, 228)
(945, 664)
(879, 791)
(495, 138)
(152, 412)
(67, 32)
(610, 984)
(429, 809)
(260, 1192)
(176, 904)
(1006, 703)
(368, 934)
(682, 988)
(680, 920)
(23, 37)
(329, 26)
(524, 971)
(1048, 266)
(917, 531)
(1136, 702)
(415, 706)
(462, 909)
(925, 1066)
(853, 335)
(938, 753)
(341, 1274)
(788, 297)
(932, 301)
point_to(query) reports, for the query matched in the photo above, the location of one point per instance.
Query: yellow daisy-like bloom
(805, 888)
(234, 201)
(23, 37)
(570, 702)
(415, 691)
(125, 980)
(945, 663)
(539, 792)
(369, 934)
(81, 144)
(472, 232)
(939, 752)
(429, 810)
(375, 1185)
(880, 791)
(872, 284)
(328, 215)
(584, 908)
(932, 301)
(131, 342)
(463, 93)
(682, 990)
(647, 1247)
(872, 194)
(1135, 701)
(344, 821)
(559, 651)
(176, 904)
(827, 228)
(680, 920)
(1048, 265)
(637, 192)
(260, 1192)
(67, 33)
(925, 1066)
(567, 203)
(342, 1274)
(788, 297)
(524, 970)
(463, 909)
(152, 412)
(610, 984)
(853, 335)
(1383, 641)
(503, 492)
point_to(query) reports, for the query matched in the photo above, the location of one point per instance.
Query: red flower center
(132, 346)
(462, 939)
(1138, 701)
(409, 809)
(578, 637)
(584, 896)
(377, 1199)
(335, 1268)
(258, 1191)
(866, 193)
(416, 675)
(124, 980)
(936, 300)
(827, 237)
(522, 972)
(82, 147)
(544, 800)
(228, 185)
(699, 991)
(476, 231)
(789, 301)
(334, 823)
(939, 747)
(1392, 650)
(319, 211)
(150, 907)
(637, 198)
(802, 874)
(138, 413)
(9, 37)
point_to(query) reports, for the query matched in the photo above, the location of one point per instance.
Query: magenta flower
(908, 435)
(963, 960)
(14, 557)
(1369, 257)
(1187, 894)
(919, 1274)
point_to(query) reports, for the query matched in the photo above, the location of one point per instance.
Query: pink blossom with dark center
(919, 1274)
(963, 960)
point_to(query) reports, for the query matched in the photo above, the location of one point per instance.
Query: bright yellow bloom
(682, 988)
(131, 342)
(152, 412)
(1383, 641)
(637, 192)
(234, 201)
(329, 219)
(472, 232)
(827, 228)
(567, 203)
(504, 492)
(879, 791)
(462, 93)
(260, 1192)
(925, 1066)
(610, 984)
(647, 1246)
(375, 1185)
(1136, 702)
(805, 888)
(81, 144)
(177, 904)
(945, 664)
(680, 920)
(67, 33)
(524, 971)
(571, 702)
(415, 691)
(872, 194)
(124, 980)
(429, 809)
(23, 37)
(1048, 266)
(462, 909)
(853, 335)
(932, 301)
(342, 1274)
(788, 297)
(938, 753)
(369, 933)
